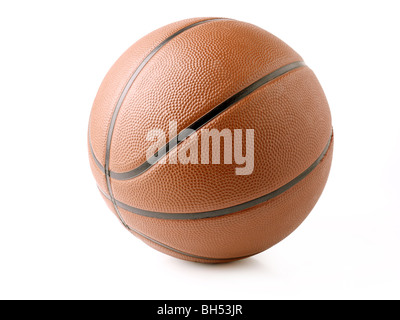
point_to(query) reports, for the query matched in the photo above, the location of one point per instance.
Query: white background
(58, 240)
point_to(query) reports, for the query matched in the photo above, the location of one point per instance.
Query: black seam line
(185, 253)
(225, 211)
(173, 249)
(96, 161)
(203, 121)
(107, 171)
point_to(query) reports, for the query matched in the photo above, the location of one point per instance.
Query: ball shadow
(254, 264)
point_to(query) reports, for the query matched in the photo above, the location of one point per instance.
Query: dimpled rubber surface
(237, 235)
(189, 76)
(114, 82)
(287, 141)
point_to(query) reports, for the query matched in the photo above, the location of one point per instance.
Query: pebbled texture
(291, 123)
(116, 79)
(186, 78)
(240, 234)
(189, 76)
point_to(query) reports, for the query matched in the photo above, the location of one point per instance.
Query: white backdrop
(58, 239)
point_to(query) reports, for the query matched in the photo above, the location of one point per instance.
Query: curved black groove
(225, 211)
(107, 170)
(96, 161)
(185, 253)
(195, 126)
(174, 142)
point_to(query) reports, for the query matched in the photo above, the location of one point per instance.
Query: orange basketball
(210, 139)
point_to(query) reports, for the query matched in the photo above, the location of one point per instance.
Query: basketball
(210, 139)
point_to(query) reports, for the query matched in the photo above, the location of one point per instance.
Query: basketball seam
(185, 253)
(218, 259)
(206, 118)
(120, 101)
(216, 111)
(202, 121)
(224, 211)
